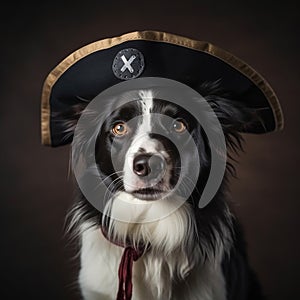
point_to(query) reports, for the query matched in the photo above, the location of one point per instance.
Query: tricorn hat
(97, 66)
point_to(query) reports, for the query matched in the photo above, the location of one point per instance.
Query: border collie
(191, 253)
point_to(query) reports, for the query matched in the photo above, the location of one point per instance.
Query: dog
(191, 253)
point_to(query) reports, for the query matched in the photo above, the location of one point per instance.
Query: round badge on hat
(128, 64)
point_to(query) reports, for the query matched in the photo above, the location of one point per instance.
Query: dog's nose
(148, 165)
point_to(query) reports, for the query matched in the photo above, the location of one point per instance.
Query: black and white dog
(192, 253)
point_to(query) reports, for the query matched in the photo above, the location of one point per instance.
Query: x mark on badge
(127, 63)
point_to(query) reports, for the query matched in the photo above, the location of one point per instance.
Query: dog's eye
(120, 129)
(179, 126)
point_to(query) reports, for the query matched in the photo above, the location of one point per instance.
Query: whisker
(108, 207)
(116, 181)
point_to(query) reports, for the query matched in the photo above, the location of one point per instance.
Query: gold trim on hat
(154, 36)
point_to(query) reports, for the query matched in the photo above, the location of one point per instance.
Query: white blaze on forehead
(146, 104)
(142, 139)
(147, 101)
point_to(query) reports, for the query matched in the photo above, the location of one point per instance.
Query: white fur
(151, 278)
(173, 268)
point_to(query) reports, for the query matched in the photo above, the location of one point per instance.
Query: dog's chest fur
(99, 275)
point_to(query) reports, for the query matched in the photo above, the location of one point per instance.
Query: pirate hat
(95, 67)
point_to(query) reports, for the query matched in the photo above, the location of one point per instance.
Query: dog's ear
(234, 116)
(232, 112)
(67, 120)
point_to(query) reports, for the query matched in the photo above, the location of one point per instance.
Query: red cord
(125, 268)
(125, 273)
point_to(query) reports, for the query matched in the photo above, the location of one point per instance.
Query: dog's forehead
(165, 107)
(149, 105)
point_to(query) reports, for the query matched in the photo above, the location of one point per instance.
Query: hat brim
(88, 71)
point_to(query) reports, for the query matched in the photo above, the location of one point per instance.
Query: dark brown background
(35, 257)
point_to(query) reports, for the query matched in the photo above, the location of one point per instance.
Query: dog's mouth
(149, 193)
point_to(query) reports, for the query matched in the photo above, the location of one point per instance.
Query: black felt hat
(102, 64)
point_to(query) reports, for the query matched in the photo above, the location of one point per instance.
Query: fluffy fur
(192, 254)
